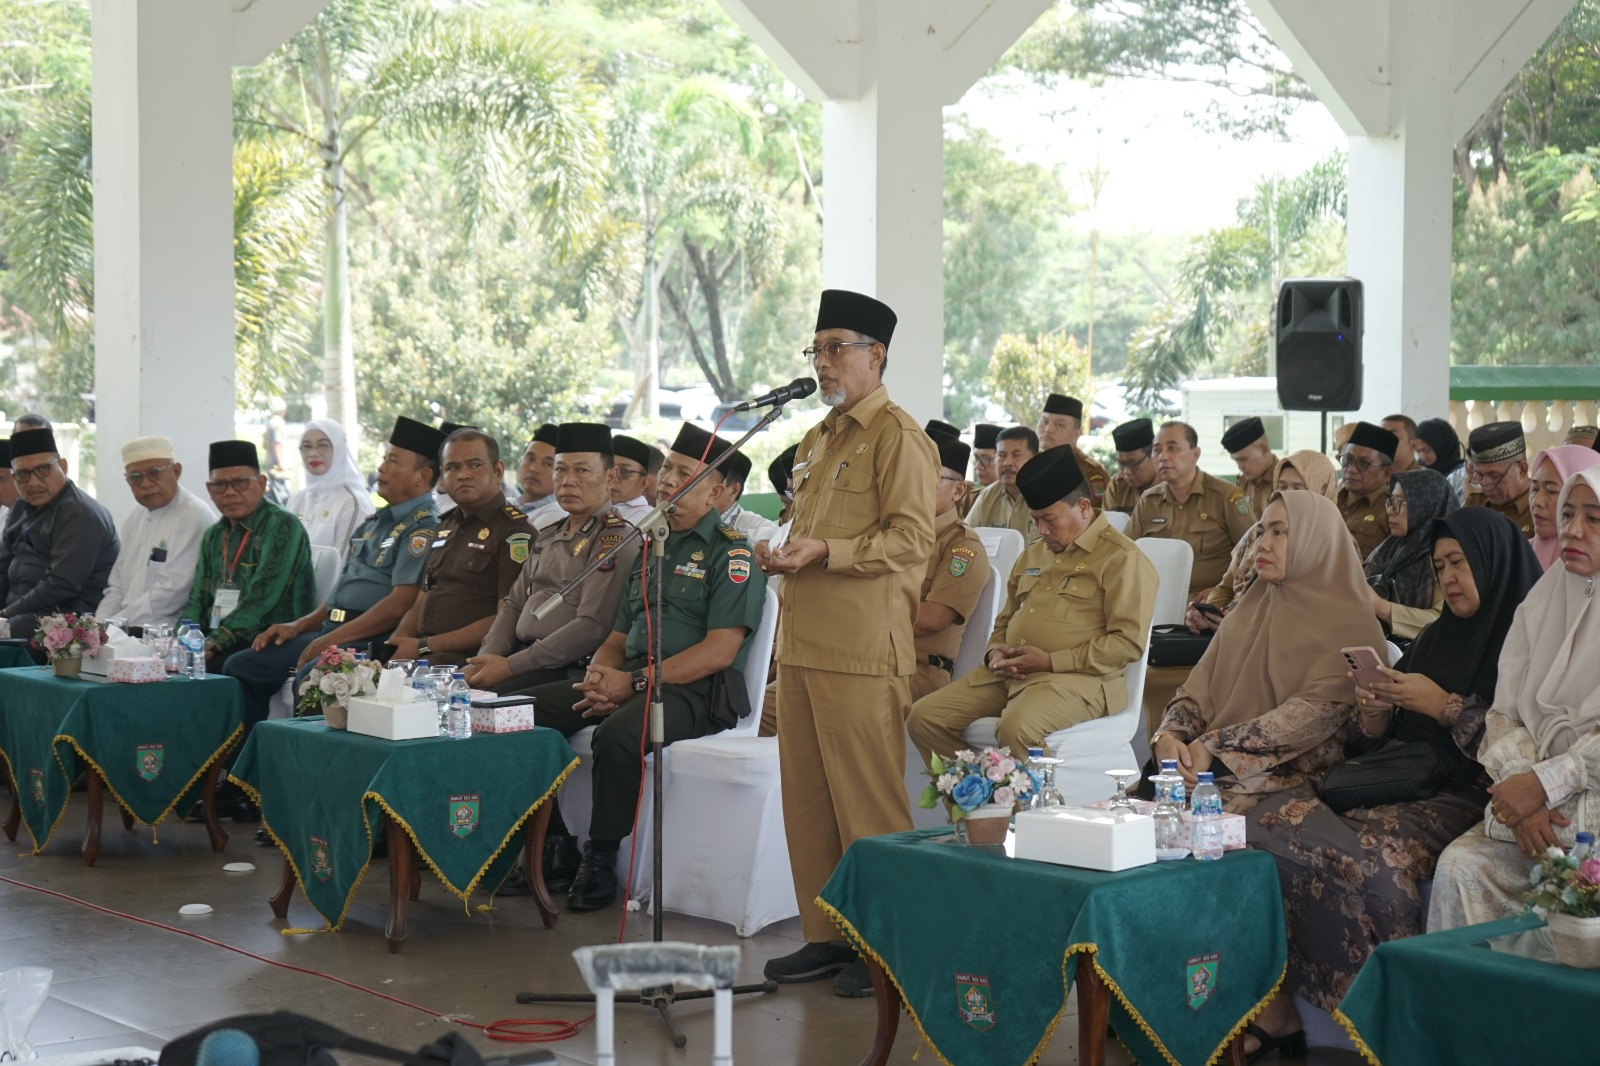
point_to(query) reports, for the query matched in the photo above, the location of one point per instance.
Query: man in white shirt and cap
(160, 538)
(630, 492)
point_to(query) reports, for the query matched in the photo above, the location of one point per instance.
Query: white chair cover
(1174, 560)
(1118, 520)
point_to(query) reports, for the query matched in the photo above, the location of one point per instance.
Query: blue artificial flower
(1535, 876)
(971, 792)
(1037, 778)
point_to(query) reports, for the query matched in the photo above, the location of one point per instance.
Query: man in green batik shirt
(254, 568)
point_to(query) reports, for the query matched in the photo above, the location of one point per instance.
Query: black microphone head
(803, 387)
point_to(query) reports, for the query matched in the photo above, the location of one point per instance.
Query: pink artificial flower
(1005, 796)
(57, 639)
(1589, 870)
(996, 774)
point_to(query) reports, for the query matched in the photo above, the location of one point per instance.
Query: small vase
(336, 715)
(67, 667)
(986, 826)
(1576, 940)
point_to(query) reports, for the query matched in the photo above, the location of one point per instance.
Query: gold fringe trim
(299, 879)
(193, 780)
(1355, 1038)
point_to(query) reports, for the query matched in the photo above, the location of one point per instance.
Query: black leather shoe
(854, 981)
(811, 963)
(595, 886)
(515, 884)
(560, 862)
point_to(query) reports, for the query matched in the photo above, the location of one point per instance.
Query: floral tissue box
(492, 714)
(137, 671)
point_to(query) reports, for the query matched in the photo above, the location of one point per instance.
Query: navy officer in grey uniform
(59, 543)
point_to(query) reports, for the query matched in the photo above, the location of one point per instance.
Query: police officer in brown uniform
(1365, 462)
(1078, 609)
(957, 572)
(1246, 442)
(1136, 467)
(1497, 472)
(522, 651)
(859, 544)
(1191, 505)
(1060, 423)
(476, 553)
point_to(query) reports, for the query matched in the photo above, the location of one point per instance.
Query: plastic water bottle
(419, 676)
(1171, 840)
(1206, 815)
(460, 707)
(178, 652)
(194, 642)
(1583, 847)
(1180, 792)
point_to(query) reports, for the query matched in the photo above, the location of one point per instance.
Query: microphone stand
(655, 529)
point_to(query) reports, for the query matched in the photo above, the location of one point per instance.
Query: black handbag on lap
(1398, 773)
(1176, 645)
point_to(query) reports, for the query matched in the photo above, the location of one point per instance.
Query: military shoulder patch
(731, 533)
(517, 545)
(613, 519)
(738, 571)
(419, 543)
(958, 566)
(423, 512)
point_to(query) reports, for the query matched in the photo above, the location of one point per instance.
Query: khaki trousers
(1028, 710)
(927, 680)
(842, 753)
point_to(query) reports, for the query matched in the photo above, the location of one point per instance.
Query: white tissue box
(1082, 836)
(392, 719)
(136, 671)
(100, 662)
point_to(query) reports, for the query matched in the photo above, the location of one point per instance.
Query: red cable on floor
(510, 1030)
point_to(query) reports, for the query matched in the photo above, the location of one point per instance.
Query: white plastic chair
(980, 626)
(1118, 520)
(1174, 561)
(608, 967)
(1003, 547)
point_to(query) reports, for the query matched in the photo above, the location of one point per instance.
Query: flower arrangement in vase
(981, 789)
(1566, 890)
(336, 676)
(66, 638)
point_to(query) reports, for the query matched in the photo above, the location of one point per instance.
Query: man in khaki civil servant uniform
(1061, 422)
(1191, 505)
(475, 555)
(1246, 443)
(1497, 472)
(860, 540)
(1365, 463)
(985, 436)
(1136, 466)
(956, 574)
(1000, 504)
(1078, 609)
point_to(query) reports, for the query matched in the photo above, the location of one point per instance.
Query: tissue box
(393, 719)
(100, 662)
(1139, 806)
(494, 715)
(1232, 830)
(139, 671)
(1085, 837)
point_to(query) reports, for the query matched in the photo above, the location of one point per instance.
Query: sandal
(1288, 1046)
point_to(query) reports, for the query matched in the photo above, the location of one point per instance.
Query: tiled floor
(119, 983)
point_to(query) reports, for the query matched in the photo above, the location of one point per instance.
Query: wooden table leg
(127, 817)
(533, 864)
(1234, 1055)
(280, 902)
(888, 1015)
(1094, 1011)
(208, 807)
(416, 881)
(402, 864)
(91, 834)
(14, 819)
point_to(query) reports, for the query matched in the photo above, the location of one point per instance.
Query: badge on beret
(738, 570)
(517, 544)
(419, 543)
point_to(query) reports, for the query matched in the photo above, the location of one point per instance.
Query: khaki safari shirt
(1258, 490)
(957, 572)
(995, 508)
(1212, 520)
(1516, 509)
(1121, 496)
(1367, 517)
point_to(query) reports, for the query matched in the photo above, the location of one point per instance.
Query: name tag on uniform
(224, 603)
(476, 544)
(441, 542)
(1032, 571)
(1158, 521)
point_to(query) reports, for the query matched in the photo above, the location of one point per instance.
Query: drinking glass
(1121, 803)
(1047, 795)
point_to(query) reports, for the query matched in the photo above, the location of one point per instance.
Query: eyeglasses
(241, 485)
(24, 475)
(947, 477)
(832, 349)
(625, 474)
(1351, 462)
(307, 447)
(137, 477)
(1395, 504)
(1478, 476)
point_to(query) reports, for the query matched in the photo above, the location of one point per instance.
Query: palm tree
(511, 115)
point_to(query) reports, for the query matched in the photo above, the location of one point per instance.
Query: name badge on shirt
(1032, 571)
(158, 555)
(223, 604)
(1158, 521)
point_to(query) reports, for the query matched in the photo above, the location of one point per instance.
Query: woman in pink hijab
(1551, 469)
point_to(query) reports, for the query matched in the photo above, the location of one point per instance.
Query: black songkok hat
(5, 452)
(1048, 477)
(692, 441)
(583, 437)
(1247, 431)
(448, 427)
(937, 429)
(1134, 436)
(626, 447)
(226, 453)
(1367, 435)
(781, 469)
(1057, 404)
(954, 453)
(1494, 443)
(545, 434)
(843, 309)
(417, 437)
(33, 442)
(737, 468)
(985, 436)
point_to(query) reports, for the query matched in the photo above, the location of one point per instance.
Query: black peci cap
(5, 452)
(692, 441)
(985, 436)
(1367, 435)
(737, 468)
(626, 447)
(1134, 436)
(781, 469)
(417, 437)
(1246, 432)
(843, 309)
(1057, 404)
(226, 453)
(583, 437)
(1496, 442)
(447, 427)
(33, 442)
(1048, 477)
(545, 434)
(937, 429)
(954, 453)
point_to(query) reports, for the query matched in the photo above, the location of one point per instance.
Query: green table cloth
(983, 947)
(323, 792)
(150, 743)
(13, 655)
(1481, 993)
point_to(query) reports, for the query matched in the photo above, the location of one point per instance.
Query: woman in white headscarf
(335, 499)
(1542, 739)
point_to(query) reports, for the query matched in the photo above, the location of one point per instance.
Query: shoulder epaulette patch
(731, 533)
(614, 519)
(423, 512)
(513, 512)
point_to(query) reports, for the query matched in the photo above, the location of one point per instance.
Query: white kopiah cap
(141, 448)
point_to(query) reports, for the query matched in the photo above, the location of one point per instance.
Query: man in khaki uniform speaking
(1077, 612)
(1000, 504)
(1246, 442)
(1365, 462)
(857, 548)
(956, 574)
(1136, 467)
(1191, 505)
(1060, 423)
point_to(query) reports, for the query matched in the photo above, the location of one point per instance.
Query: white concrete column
(163, 231)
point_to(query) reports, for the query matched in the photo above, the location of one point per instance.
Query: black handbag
(1398, 773)
(1176, 645)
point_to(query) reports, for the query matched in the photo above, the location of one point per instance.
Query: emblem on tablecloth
(975, 1001)
(149, 757)
(463, 814)
(321, 859)
(36, 786)
(1202, 978)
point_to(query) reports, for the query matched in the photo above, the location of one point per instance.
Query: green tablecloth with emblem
(1423, 999)
(150, 743)
(983, 946)
(465, 803)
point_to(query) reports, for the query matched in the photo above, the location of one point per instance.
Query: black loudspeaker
(1318, 325)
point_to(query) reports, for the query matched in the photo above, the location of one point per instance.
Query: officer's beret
(936, 429)
(1134, 436)
(843, 309)
(1049, 476)
(781, 469)
(1057, 404)
(417, 437)
(692, 442)
(1367, 435)
(954, 453)
(1493, 443)
(626, 447)
(1246, 432)
(226, 453)
(545, 434)
(985, 436)
(33, 442)
(583, 437)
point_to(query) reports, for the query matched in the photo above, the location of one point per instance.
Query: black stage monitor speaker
(1318, 325)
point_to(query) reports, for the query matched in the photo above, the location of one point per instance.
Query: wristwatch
(422, 647)
(640, 681)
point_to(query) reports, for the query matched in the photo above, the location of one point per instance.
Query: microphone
(228, 1047)
(798, 389)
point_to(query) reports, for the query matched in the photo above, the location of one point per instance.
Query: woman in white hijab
(1542, 739)
(335, 500)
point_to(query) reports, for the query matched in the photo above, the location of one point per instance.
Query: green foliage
(1023, 372)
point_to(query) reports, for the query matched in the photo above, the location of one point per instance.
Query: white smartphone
(1365, 663)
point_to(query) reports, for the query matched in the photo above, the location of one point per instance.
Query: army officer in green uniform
(712, 599)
